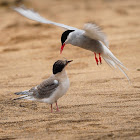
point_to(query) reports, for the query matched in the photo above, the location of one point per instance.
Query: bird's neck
(75, 38)
(62, 75)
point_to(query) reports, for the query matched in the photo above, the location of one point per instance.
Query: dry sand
(100, 103)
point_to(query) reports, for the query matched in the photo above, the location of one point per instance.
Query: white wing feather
(112, 61)
(30, 14)
(94, 32)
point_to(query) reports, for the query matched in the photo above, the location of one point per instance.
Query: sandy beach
(100, 103)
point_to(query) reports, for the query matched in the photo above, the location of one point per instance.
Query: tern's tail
(112, 61)
(24, 93)
(21, 97)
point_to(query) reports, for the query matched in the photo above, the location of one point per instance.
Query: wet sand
(100, 103)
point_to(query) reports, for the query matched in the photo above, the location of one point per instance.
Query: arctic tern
(90, 38)
(50, 90)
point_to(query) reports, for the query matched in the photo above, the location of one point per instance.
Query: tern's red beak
(62, 47)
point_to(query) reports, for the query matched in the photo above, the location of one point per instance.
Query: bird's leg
(100, 58)
(96, 58)
(57, 109)
(51, 108)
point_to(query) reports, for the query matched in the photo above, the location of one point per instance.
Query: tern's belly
(93, 45)
(59, 92)
(88, 44)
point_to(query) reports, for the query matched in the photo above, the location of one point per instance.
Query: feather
(21, 97)
(26, 92)
(93, 31)
(112, 61)
(31, 14)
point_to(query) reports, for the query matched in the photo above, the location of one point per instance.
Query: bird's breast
(64, 86)
(59, 92)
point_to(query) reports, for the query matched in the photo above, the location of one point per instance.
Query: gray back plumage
(46, 88)
(79, 39)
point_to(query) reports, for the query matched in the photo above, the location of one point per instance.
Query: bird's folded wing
(94, 32)
(30, 14)
(47, 88)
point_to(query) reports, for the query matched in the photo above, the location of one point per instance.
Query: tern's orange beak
(62, 47)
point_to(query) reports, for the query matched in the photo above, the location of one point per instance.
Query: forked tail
(24, 93)
(112, 61)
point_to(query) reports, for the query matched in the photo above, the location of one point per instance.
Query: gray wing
(30, 14)
(93, 31)
(46, 88)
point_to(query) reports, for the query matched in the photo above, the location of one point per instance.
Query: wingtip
(18, 93)
(14, 99)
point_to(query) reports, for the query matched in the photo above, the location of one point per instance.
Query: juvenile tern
(50, 90)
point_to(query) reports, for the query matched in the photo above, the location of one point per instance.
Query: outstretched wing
(93, 31)
(30, 14)
(46, 88)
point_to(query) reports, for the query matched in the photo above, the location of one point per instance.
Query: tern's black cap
(59, 65)
(65, 35)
